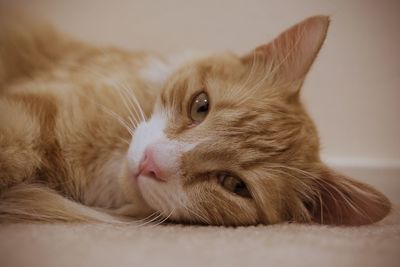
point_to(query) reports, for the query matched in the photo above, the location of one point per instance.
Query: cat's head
(229, 143)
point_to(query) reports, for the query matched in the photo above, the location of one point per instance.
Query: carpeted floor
(176, 245)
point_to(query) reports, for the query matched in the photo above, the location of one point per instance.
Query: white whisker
(134, 101)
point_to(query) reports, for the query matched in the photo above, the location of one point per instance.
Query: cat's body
(61, 112)
(68, 112)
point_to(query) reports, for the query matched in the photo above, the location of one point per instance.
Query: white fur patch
(163, 196)
(158, 70)
(145, 134)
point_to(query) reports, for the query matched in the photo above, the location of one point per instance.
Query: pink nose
(148, 166)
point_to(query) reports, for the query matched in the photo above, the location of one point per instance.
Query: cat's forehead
(232, 98)
(221, 68)
(242, 120)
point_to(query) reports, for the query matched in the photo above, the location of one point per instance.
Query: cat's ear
(339, 200)
(292, 53)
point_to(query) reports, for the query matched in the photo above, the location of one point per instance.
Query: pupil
(203, 108)
(240, 185)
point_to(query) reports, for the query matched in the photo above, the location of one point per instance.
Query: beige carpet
(175, 245)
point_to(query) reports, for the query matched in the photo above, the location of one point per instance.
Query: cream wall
(352, 92)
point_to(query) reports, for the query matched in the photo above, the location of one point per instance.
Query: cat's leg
(19, 135)
(37, 203)
(20, 160)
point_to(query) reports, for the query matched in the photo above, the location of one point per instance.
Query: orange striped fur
(68, 114)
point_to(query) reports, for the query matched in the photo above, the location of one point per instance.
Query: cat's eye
(199, 107)
(233, 184)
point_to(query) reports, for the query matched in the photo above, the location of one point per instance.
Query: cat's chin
(136, 205)
(136, 211)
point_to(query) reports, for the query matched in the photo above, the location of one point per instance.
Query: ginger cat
(102, 134)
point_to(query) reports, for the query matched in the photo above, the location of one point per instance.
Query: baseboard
(382, 174)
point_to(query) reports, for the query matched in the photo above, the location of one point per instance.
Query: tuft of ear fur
(339, 200)
(289, 57)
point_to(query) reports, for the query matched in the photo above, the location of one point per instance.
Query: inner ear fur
(289, 57)
(340, 200)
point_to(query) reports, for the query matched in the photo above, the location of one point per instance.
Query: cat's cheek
(168, 198)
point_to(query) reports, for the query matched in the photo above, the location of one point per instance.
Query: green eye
(233, 184)
(199, 107)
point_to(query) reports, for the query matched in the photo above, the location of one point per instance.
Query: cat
(91, 134)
